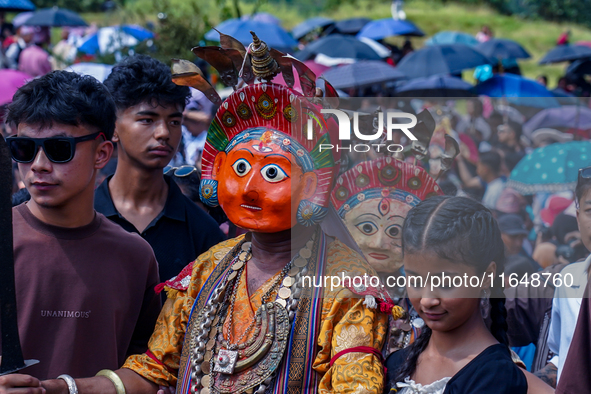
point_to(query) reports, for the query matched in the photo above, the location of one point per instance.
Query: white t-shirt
(565, 311)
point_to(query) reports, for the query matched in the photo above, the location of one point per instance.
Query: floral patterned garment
(345, 323)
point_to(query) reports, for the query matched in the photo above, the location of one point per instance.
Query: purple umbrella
(566, 117)
(10, 81)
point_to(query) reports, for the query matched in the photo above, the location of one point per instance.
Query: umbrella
(111, 39)
(274, 35)
(348, 26)
(452, 37)
(264, 17)
(441, 59)
(389, 27)
(552, 168)
(310, 25)
(16, 5)
(97, 70)
(563, 53)
(10, 81)
(55, 17)
(361, 73)
(435, 86)
(579, 67)
(338, 46)
(316, 68)
(517, 90)
(500, 48)
(566, 117)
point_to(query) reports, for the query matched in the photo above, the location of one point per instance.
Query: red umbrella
(10, 81)
(316, 68)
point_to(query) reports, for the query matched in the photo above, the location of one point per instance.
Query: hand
(166, 390)
(20, 384)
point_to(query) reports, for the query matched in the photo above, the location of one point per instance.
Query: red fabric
(358, 349)
(176, 282)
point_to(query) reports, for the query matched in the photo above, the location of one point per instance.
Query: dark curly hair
(456, 229)
(66, 98)
(141, 78)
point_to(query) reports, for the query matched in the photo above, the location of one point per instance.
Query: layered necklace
(224, 365)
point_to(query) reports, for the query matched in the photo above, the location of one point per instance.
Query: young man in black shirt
(138, 196)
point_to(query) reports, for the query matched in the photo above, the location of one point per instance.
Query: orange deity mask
(260, 166)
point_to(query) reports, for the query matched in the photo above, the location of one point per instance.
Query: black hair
(141, 78)
(462, 230)
(67, 98)
(516, 127)
(491, 159)
(583, 186)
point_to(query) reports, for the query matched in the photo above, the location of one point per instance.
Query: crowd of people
(160, 241)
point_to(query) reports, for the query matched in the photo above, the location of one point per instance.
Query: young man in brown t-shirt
(85, 286)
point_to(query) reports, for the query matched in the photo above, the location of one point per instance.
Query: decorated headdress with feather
(265, 112)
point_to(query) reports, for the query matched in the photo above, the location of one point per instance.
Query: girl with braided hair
(456, 352)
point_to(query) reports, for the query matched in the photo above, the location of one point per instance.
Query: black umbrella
(563, 53)
(348, 26)
(435, 86)
(310, 25)
(361, 73)
(340, 46)
(441, 59)
(16, 5)
(500, 48)
(55, 17)
(579, 67)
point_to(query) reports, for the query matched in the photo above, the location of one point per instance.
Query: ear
(103, 154)
(310, 180)
(218, 162)
(115, 137)
(491, 272)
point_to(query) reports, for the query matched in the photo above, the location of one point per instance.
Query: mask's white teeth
(251, 207)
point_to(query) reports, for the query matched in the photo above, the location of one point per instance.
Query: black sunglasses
(584, 173)
(181, 171)
(57, 149)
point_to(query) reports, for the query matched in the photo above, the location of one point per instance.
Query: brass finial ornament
(265, 68)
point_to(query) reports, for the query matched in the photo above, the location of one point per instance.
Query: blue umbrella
(500, 48)
(517, 90)
(16, 5)
(275, 36)
(553, 168)
(388, 27)
(338, 46)
(441, 59)
(563, 53)
(348, 26)
(452, 37)
(113, 38)
(435, 86)
(361, 73)
(310, 25)
(55, 17)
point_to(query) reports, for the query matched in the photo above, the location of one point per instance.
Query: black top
(180, 233)
(491, 372)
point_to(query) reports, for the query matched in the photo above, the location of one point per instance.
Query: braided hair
(456, 229)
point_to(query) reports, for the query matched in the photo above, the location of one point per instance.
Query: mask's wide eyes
(393, 231)
(273, 173)
(241, 167)
(367, 228)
